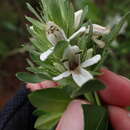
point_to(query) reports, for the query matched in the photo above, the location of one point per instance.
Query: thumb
(73, 117)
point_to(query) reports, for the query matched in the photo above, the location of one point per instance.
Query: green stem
(89, 96)
(97, 99)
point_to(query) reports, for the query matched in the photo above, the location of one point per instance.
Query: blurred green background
(13, 35)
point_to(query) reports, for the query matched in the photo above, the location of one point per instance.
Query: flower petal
(81, 76)
(61, 76)
(80, 31)
(77, 18)
(98, 30)
(54, 33)
(91, 61)
(100, 43)
(45, 55)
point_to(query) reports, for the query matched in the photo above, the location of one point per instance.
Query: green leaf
(50, 100)
(62, 14)
(39, 71)
(47, 121)
(35, 57)
(39, 112)
(90, 86)
(59, 48)
(85, 11)
(52, 10)
(95, 117)
(29, 78)
(86, 41)
(115, 31)
(67, 13)
(94, 12)
(35, 22)
(33, 11)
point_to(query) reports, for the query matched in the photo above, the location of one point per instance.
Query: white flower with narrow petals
(55, 34)
(75, 68)
(97, 32)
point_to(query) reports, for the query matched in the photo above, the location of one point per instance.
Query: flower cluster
(71, 55)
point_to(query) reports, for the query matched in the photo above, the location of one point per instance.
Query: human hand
(116, 96)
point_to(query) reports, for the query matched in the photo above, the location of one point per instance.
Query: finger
(117, 91)
(73, 117)
(119, 117)
(42, 85)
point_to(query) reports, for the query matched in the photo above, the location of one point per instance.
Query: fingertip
(48, 84)
(120, 118)
(42, 85)
(117, 91)
(72, 118)
(33, 87)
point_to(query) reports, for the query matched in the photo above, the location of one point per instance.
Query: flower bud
(98, 30)
(77, 17)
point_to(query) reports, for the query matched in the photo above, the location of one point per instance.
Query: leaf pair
(53, 101)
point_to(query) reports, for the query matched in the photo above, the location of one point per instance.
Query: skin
(116, 96)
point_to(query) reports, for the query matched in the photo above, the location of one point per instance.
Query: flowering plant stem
(97, 99)
(93, 98)
(89, 96)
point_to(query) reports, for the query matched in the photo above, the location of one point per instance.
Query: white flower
(55, 34)
(75, 68)
(80, 31)
(97, 32)
(77, 18)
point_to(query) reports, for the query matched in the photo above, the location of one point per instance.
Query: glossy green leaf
(50, 100)
(95, 117)
(30, 78)
(90, 86)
